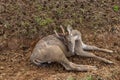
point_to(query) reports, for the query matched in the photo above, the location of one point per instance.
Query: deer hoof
(109, 51)
(110, 62)
(93, 68)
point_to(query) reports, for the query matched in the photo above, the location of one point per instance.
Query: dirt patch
(16, 64)
(23, 23)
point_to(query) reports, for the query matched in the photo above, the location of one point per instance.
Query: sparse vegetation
(89, 78)
(43, 22)
(26, 21)
(70, 78)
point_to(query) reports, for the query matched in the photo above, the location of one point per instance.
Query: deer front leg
(88, 47)
(80, 51)
(75, 67)
(88, 54)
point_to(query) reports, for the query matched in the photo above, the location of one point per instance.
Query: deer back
(51, 40)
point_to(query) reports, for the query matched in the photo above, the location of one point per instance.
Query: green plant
(43, 22)
(59, 11)
(25, 23)
(71, 78)
(89, 78)
(39, 7)
(116, 8)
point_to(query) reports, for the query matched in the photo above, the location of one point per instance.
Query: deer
(57, 47)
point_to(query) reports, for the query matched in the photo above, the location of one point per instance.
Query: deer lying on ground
(57, 47)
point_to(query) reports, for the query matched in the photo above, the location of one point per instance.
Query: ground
(23, 23)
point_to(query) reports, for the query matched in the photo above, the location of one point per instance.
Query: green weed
(89, 77)
(39, 7)
(116, 8)
(43, 22)
(71, 78)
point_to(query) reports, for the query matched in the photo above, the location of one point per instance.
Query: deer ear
(69, 29)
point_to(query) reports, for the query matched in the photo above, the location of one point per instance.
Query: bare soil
(23, 23)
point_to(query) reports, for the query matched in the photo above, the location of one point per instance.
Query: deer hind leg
(88, 54)
(75, 67)
(61, 58)
(36, 61)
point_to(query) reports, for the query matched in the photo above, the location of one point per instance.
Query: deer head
(72, 36)
(69, 38)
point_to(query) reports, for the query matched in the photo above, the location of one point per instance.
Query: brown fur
(56, 49)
